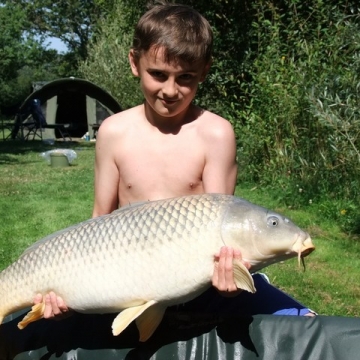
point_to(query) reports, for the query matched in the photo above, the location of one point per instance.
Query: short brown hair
(181, 31)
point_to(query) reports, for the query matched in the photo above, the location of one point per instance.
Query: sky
(57, 44)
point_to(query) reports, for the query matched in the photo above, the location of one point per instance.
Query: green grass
(37, 199)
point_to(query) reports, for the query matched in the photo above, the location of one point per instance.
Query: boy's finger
(230, 285)
(38, 299)
(61, 305)
(48, 312)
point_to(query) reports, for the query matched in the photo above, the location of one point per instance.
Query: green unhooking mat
(185, 336)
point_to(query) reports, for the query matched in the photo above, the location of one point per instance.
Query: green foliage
(343, 212)
(74, 22)
(107, 64)
(230, 21)
(28, 24)
(298, 125)
(23, 59)
(11, 50)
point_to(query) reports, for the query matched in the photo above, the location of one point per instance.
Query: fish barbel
(142, 258)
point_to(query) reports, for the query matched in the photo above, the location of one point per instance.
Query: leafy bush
(107, 64)
(300, 124)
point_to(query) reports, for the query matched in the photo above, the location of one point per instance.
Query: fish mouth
(303, 248)
(307, 252)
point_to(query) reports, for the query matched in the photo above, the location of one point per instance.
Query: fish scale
(147, 256)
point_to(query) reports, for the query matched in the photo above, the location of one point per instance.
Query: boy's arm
(219, 176)
(107, 175)
(220, 169)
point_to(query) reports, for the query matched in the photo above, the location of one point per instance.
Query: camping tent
(73, 101)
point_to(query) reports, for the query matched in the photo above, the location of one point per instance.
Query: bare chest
(160, 168)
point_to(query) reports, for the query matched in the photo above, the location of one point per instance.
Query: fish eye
(273, 221)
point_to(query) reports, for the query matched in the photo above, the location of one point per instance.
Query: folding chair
(34, 127)
(6, 129)
(31, 130)
(15, 129)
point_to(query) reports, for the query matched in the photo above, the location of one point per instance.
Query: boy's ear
(133, 63)
(205, 71)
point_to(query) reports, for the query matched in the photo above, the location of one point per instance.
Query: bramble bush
(298, 127)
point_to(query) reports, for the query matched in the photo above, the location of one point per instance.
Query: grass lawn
(37, 199)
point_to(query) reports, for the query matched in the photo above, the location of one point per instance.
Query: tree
(74, 22)
(107, 63)
(22, 57)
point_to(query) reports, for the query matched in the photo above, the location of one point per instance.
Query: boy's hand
(55, 307)
(223, 276)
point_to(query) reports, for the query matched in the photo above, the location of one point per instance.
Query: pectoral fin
(242, 277)
(123, 320)
(36, 313)
(149, 320)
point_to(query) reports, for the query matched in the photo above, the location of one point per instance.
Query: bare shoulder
(214, 127)
(119, 122)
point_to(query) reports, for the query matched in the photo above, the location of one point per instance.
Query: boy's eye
(163, 76)
(186, 77)
(157, 74)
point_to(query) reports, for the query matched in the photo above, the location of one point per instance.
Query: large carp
(142, 258)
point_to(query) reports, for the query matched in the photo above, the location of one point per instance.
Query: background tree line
(285, 73)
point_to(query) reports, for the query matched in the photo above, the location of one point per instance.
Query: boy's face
(168, 88)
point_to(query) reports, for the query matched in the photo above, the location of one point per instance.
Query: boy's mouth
(168, 101)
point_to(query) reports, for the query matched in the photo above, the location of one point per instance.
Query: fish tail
(36, 313)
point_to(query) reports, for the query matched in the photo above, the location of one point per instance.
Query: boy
(167, 146)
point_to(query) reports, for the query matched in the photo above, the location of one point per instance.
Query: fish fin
(123, 320)
(36, 313)
(242, 277)
(149, 320)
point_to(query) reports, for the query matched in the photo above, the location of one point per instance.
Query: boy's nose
(169, 88)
